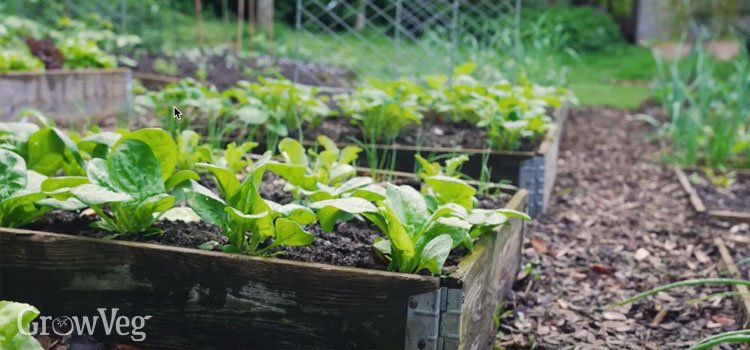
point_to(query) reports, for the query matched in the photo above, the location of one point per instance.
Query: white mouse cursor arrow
(176, 114)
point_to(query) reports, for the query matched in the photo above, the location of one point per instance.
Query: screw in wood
(413, 303)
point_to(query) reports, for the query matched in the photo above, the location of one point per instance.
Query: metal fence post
(298, 28)
(123, 6)
(397, 36)
(517, 34)
(454, 41)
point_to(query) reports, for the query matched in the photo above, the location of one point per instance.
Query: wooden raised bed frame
(534, 171)
(697, 202)
(225, 301)
(67, 95)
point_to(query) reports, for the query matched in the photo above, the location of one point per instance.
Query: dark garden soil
(433, 132)
(226, 68)
(617, 226)
(735, 198)
(349, 245)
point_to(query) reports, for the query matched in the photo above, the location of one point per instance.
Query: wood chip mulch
(618, 225)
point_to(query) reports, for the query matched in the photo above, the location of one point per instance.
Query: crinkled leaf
(98, 173)
(407, 205)
(12, 173)
(435, 253)
(20, 208)
(452, 190)
(162, 146)
(134, 170)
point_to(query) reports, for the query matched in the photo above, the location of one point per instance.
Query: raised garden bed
(224, 69)
(731, 203)
(534, 170)
(220, 301)
(67, 96)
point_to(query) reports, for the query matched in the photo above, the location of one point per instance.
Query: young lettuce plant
(246, 219)
(14, 326)
(330, 175)
(416, 238)
(20, 189)
(45, 149)
(132, 183)
(190, 151)
(451, 168)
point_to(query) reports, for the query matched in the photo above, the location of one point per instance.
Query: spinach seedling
(330, 175)
(245, 218)
(45, 150)
(417, 238)
(20, 189)
(132, 183)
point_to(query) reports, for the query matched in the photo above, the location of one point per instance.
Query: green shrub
(582, 28)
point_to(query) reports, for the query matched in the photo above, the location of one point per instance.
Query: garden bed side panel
(209, 299)
(67, 96)
(551, 150)
(485, 277)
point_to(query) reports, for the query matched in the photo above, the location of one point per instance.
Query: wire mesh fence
(382, 39)
(406, 37)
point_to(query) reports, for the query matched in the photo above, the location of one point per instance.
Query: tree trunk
(251, 24)
(361, 15)
(264, 13)
(199, 19)
(240, 21)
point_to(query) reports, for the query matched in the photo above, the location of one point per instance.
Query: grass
(618, 79)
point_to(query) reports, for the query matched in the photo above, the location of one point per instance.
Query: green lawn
(618, 79)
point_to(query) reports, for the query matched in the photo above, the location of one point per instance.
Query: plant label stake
(176, 114)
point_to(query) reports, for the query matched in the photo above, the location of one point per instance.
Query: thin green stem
(727, 281)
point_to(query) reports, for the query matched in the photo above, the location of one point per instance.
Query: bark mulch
(616, 226)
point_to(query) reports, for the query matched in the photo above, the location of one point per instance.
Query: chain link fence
(384, 39)
(413, 38)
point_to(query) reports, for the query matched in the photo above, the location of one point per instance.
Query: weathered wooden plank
(208, 299)
(744, 299)
(695, 199)
(730, 215)
(67, 96)
(486, 276)
(550, 149)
